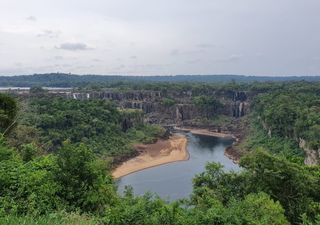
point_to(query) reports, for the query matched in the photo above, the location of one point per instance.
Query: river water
(174, 180)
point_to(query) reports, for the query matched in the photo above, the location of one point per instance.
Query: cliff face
(234, 103)
(152, 103)
(239, 104)
(311, 155)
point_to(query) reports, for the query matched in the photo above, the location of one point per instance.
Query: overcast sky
(160, 37)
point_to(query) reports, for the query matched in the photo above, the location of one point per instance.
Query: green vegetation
(145, 134)
(291, 114)
(8, 111)
(70, 80)
(294, 186)
(168, 102)
(54, 164)
(61, 218)
(285, 147)
(109, 132)
(207, 103)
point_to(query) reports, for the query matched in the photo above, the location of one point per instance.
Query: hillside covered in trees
(56, 155)
(71, 80)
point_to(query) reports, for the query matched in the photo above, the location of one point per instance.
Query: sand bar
(163, 151)
(205, 132)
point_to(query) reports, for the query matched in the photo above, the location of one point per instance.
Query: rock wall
(311, 155)
(239, 104)
(235, 103)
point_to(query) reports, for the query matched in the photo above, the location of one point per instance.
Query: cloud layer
(149, 37)
(73, 46)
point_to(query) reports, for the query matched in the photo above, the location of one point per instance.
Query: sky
(160, 37)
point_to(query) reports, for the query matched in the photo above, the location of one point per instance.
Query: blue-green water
(174, 180)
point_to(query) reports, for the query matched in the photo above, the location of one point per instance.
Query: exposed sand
(162, 152)
(206, 132)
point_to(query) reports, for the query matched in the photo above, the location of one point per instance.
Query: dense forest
(56, 156)
(70, 80)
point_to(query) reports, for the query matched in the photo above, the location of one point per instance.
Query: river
(174, 180)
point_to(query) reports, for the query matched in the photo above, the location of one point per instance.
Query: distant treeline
(71, 80)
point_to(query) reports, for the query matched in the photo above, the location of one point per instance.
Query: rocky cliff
(183, 110)
(234, 103)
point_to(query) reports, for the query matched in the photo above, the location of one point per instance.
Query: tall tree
(8, 112)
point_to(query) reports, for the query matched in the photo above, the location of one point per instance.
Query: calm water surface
(174, 180)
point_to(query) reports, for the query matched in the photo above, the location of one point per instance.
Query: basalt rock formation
(233, 103)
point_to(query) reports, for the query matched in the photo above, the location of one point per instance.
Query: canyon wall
(234, 104)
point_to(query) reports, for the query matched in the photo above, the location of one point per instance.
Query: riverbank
(205, 132)
(232, 152)
(163, 151)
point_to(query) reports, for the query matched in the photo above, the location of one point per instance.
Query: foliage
(208, 104)
(273, 186)
(71, 80)
(27, 187)
(145, 133)
(291, 114)
(84, 180)
(49, 219)
(256, 209)
(96, 123)
(8, 112)
(285, 147)
(296, 187)
(143, 210)
(72, 180)
(168, 102)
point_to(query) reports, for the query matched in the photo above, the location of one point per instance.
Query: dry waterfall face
(234, 104)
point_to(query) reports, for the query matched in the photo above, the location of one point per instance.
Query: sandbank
(162, 152)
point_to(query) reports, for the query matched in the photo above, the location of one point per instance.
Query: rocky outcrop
(187, 112)
(311, 155)
(234, 103)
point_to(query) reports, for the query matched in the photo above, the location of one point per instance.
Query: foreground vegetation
(54, 165)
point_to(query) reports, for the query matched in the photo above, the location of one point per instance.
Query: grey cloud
(212, 37)
(49, 34)
(133, 57)
(73, 46)
(230, 59)
(122, 66)
(204, 45)
(193, 61)
(58, 57)
(31, 18)
(18, 64)
(176, 52)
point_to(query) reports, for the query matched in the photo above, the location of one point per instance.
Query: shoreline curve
(206, 132)
(151, 155)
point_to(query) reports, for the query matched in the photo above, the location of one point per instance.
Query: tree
(207, 103)
(8, 112)
(256, 209)
(85, 182)
(295, 186)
